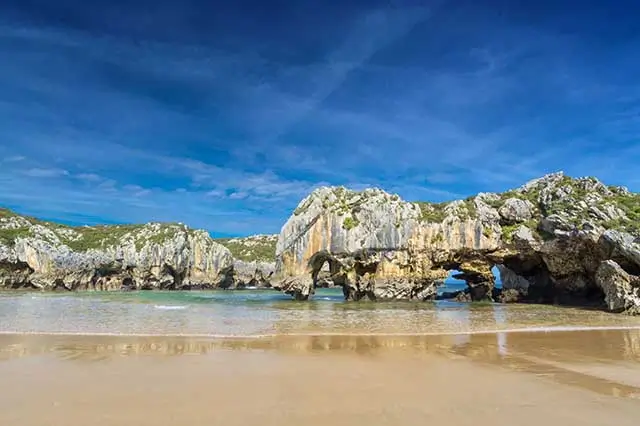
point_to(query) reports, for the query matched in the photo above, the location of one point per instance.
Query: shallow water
(265, 313)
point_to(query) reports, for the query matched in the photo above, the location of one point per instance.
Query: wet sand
(586, 378)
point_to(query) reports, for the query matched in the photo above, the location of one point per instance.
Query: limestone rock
(485, 212)
(250, 275)
(298, 287)
(254, 261)
(515, 210)
(524, 239)
(621, 247)
(548, 236)
(400, 244)
(556, 225)
(35, 254)
(514, 287)
(622, 290)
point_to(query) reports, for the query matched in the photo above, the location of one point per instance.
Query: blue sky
(223, 115)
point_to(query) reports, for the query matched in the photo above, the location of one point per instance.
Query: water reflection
(574, 346)
(567, 357)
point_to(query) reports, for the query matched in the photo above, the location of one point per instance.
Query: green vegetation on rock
(98, 237)
(350, 223)
(83, 238)
(496, 204)
(470, 207)
(258, 248)
(487, 232)
(9, 236)
(431, 212)
(6, 213)
(630, 205)
(508, 230)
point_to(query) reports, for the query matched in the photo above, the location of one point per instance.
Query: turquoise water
(265, 313)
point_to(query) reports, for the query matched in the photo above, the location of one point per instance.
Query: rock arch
(555, 239)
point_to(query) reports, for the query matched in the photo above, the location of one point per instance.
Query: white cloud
(89, 177)
(37, 172)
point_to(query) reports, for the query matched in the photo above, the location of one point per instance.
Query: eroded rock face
(378, 247)
(515, 210)
(254, 261)
(548, 237)
(248, 275)
(622, 290)
(48, 256)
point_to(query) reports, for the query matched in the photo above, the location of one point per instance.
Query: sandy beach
(587, 378)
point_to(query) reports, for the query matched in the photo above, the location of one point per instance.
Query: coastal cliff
(555, 239)
(253, 261)
(50, 256)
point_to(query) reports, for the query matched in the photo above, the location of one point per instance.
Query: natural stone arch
(338, 273)
(473, 267)
(319, 260)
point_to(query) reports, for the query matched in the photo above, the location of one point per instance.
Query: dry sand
(577, 378)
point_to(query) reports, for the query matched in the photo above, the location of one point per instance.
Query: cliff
(254, 260)
(555, 239)
(49, 256)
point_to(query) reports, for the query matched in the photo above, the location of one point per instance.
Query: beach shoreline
(214, 357)
(496, 379)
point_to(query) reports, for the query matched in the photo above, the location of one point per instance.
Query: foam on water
(170, 307)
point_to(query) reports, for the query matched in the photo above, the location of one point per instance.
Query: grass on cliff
(250, 250)
(431, 212)
(630, 205)
(436, 212)
(6, 213)
(350, 223)
(102, 236)
(470, 206)
(8, 236)
(508, 230)
(83, 238)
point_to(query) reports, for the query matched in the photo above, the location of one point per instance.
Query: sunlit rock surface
(49, 256)
(548, 238)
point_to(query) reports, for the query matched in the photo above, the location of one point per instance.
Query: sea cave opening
(458, 283)
(325, 271)
(323, 277)
(127, 284)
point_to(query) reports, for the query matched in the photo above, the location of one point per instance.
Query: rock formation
(49, 256)
(254, 261)
(555, 240)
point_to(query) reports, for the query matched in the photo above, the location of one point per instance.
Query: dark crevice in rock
(16, 275)
(128, 284)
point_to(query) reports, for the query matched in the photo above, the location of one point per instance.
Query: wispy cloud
(228, 126)
(45, 173)
(89, 177)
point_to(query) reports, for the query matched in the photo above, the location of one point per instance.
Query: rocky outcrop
(48, 256)
(621, 290)
(248, 275)
(549, 239)
(254, 261)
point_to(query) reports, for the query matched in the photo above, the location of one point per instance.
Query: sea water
(249, 313)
